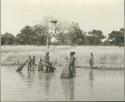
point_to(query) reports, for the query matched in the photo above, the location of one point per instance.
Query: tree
(93, 40)
(25, 36)
(35, 35)
(7, 39)
(107, 42)
(76, 36)
(94, 37)
(62, 38)
(39, 35)
(117, 37)
(53, 29)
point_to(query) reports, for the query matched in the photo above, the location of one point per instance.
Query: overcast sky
(106, 15)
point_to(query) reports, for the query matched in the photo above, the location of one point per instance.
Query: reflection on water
(68, 88)
(47, 79)
(22, 75)
(30, 75)
(89, 84)
(40, 75)
(91, 79)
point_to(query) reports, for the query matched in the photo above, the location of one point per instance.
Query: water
(88, 85)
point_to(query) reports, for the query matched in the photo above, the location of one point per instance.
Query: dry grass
(108, 57)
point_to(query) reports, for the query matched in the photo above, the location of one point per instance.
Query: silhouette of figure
(48, 41)
(29, 61)
(91, 61)
(72, 69)
(69, 70)
(40, 65)
(48, 65)
(46, 62)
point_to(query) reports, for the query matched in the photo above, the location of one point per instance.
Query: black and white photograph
(62, 50)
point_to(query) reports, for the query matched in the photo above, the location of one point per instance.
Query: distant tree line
(71, 35)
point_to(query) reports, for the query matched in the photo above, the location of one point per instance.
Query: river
(88, 85)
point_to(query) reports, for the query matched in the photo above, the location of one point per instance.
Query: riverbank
(104, 57)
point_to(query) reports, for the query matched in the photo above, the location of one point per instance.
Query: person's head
(47, 53)
(29, 56)
(91, 54)
(40, 59)
(72, 53)
(33, 57)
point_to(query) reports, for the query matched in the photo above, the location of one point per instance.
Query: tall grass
(103, 56)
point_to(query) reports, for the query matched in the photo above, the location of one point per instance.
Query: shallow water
(88, 85)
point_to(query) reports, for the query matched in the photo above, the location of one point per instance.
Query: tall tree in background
(61, 33)
(117, 37)
(76, 35)
(25, 36)
(62, 38)
(94, 37)
(39, 35)
(7, 39)
(35, 35)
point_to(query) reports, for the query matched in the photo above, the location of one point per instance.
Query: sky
(105, 15)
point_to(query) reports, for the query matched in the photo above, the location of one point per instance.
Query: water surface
(88, 85)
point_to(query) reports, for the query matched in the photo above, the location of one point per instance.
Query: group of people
(46, 65)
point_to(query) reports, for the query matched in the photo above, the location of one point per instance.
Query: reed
(104, 56)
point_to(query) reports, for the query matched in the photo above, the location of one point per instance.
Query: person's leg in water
(72, 64)
(29, 63)
(70, 71)
(52, 68)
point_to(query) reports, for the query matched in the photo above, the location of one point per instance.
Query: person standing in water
(34, 63)
(34, 60)
(48, 64)
(72, 69)
(29, 61)
(40, 65)
(91, 61)
(47, 61)
(65, 72)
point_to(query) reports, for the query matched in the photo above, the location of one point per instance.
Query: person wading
(40, 66)
(72, 69)
(34, 61)
(29, 61)
(69, 70)
(91, 61)
(47, 62)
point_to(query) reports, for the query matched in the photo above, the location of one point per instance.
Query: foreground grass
(105, 57)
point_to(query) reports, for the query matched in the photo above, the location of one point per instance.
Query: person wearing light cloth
(34, 61)
(65, 72)
(69, 67)
(30, 62)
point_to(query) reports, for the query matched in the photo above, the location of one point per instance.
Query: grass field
(104, 56)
